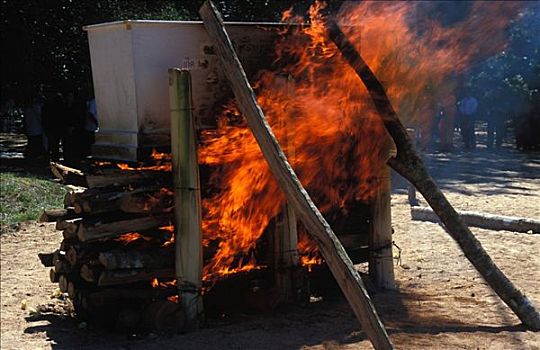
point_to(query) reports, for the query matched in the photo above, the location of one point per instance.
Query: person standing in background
(33, 127)
(467, 108)
(54, 124)
(90, 126)
(75, 117)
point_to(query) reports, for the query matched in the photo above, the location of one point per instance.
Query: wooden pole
(483, 220)
(286, 235)
(409, 165)
(337, 259)
(381, 260)
(187, 208)
(411, 190)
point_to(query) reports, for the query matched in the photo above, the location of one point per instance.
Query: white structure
(130, 62)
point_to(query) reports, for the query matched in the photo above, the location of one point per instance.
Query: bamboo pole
(187, 208)
(332, 250)
(409, 165)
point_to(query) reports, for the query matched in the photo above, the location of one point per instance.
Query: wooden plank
(187, 197)
(339, 263)
(409, 165)
(482, 220)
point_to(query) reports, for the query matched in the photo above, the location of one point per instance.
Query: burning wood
(332, 249)
(115, 235)
(110, 177)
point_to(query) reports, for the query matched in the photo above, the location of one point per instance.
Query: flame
(170, 230)
(308, 252)
(163, 162)
(323, 116)
(155, 283)
(161, 201)
(130, 237)
(174, 298)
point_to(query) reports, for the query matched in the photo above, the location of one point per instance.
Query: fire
(130, 237)
(309, 253)
(155, 282)
(324, 119)
(163, 162)
(169, 229)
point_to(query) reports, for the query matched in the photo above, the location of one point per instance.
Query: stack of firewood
(116, 259)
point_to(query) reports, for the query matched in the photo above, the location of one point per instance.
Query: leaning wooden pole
(187, 197)
(337, 259)
(409, 165)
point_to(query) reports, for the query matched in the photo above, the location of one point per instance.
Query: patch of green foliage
(24, 196)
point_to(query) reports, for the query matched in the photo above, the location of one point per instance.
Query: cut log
(63, 283)
(51, 215)
(71, 290)
(340, 264)
(92, 232)
(409, 165)
(114, 295)
(47, 259)
(53, 276)
(119, 277)
(61, 266)
(76, 256)
(68, 175)
(141, 200)
(70, 195)
(134, 259)
(109, 177)
(70, 225)
(89, 273)
(482, 220)
(127, 177)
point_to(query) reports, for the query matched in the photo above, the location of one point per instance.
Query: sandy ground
(441, 302)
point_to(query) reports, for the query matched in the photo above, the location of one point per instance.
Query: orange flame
(170, 230)
(323, 116)
(130, 237)
(163, 163)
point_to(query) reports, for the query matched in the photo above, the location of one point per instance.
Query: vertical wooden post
(411, 190)
(381, 260)
(286, 235)
(187, 204)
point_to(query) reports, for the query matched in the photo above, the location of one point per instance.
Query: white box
(130, 62)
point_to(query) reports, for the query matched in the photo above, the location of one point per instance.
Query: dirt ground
(441, 302)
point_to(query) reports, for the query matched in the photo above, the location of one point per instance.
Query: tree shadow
(497, 171)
